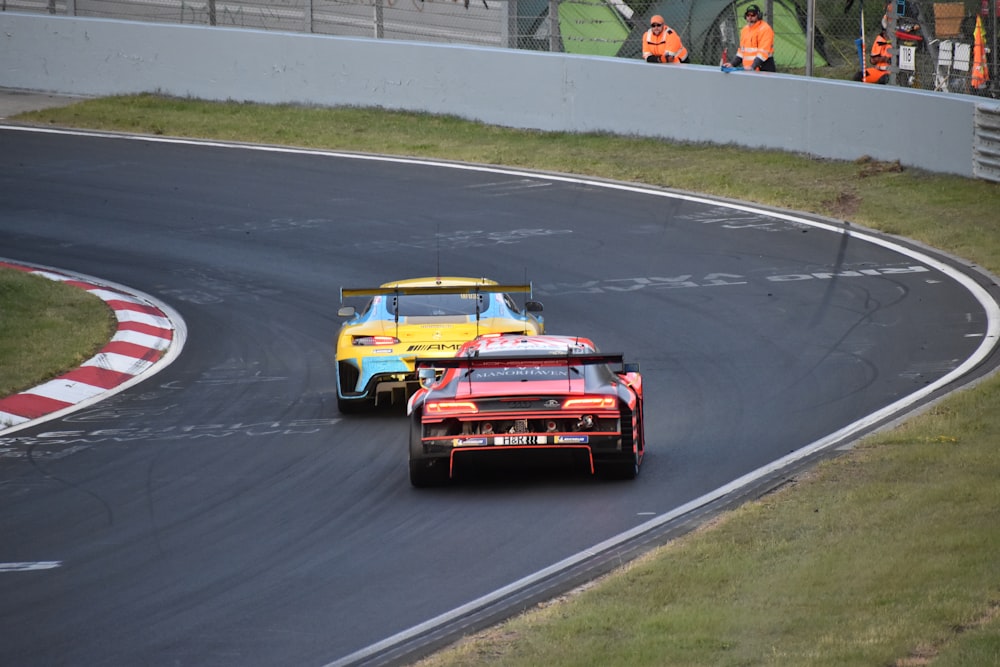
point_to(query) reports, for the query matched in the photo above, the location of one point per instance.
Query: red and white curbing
(148, 337)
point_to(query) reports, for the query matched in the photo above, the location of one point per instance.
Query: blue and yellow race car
(419, 317)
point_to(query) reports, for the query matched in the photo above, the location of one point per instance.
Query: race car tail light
(367, 341)
(450, 407)
(590, 403)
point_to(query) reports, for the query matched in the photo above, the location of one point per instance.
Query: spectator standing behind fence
(881, 59)
(756, 50)
(660, 44)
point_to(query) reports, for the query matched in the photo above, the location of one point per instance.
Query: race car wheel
(424, 471)
(625, 466)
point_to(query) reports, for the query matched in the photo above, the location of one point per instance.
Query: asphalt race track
(224, 512)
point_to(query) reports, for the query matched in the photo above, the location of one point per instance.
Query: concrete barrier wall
(522, 89)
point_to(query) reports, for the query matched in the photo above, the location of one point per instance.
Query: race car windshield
(436, 305)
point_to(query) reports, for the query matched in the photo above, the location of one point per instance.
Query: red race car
(509, 392)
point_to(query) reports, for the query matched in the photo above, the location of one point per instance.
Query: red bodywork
(518, 392)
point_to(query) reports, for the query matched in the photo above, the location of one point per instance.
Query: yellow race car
(419, 317)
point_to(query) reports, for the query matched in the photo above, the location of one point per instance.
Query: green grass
(46, 328)
(888, 555)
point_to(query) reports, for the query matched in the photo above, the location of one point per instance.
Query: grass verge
(887, 555)
(47, 327)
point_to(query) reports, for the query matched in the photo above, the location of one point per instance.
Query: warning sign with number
(907, 58)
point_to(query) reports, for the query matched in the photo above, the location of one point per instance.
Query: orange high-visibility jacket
(881, 57)
(756, 41)
(875, 75)
(667, 45)
(881, 53)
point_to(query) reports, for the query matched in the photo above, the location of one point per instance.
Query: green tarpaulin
(592, 29)
(703, 24)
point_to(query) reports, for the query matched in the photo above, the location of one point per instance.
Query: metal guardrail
(986, 143)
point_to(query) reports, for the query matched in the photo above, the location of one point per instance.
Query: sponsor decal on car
(469, 442)
(520, 440)
(572, 439)
(520, 372)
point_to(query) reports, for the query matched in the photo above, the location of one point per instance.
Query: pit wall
(521, 89)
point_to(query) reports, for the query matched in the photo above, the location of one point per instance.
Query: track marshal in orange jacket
(756, 50)
(662, 44)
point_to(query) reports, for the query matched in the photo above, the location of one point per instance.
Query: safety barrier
(936, 43)
(512, 88)
(986, 149)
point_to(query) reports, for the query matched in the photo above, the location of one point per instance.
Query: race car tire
(622, 467)
(625, 465)
(424, 471)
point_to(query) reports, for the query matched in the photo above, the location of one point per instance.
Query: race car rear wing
(497, 360)
(413, 290)
(427, 369)
(434, 289)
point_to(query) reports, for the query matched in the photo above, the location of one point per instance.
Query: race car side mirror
(426, 377)
(346, 311)
(631, 367)
(533, 306)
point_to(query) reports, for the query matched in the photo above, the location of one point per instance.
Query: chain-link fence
(945, 46)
